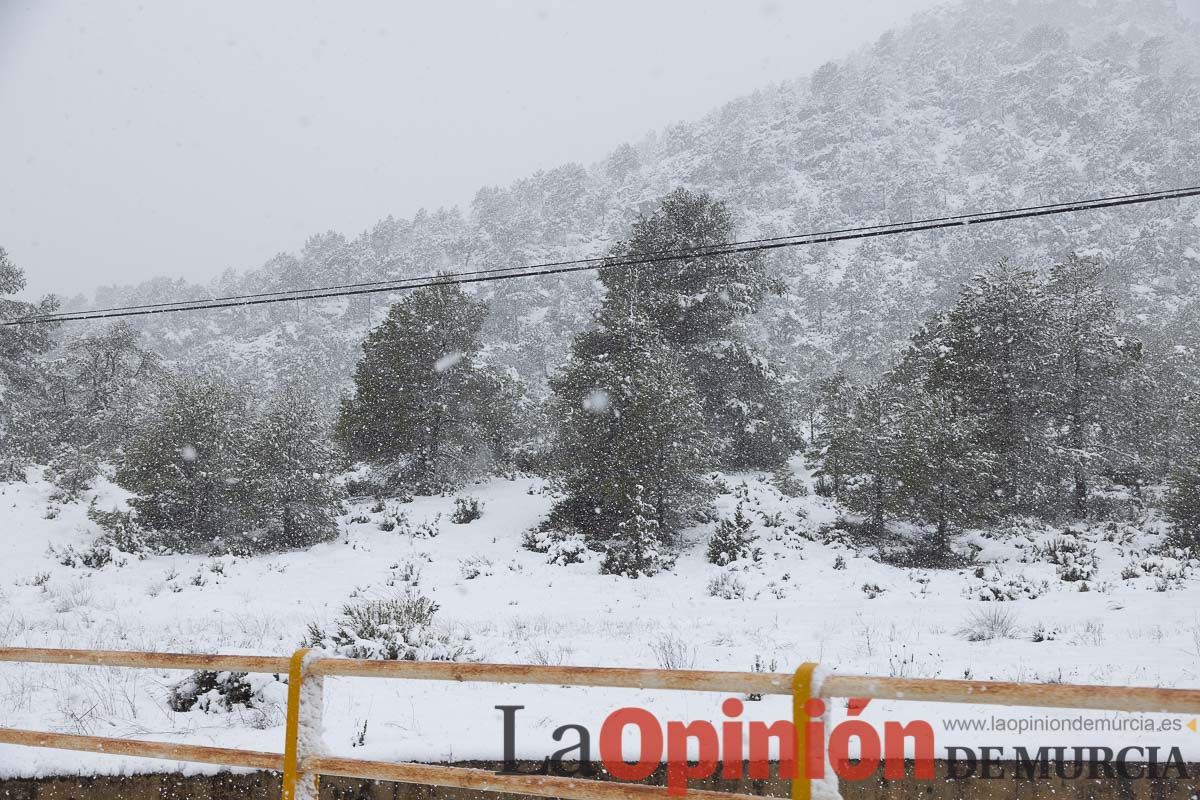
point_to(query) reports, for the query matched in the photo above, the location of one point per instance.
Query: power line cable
(597, 262)
(398, 284)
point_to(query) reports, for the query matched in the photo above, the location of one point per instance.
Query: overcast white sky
(141, 139)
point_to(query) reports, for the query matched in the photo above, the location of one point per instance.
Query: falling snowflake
(447, 361)
(596, 401)
(188, 453)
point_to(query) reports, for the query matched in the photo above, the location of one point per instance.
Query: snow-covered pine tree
(943, 480)
(420, 399)
(869, 455)
(994, 350)
(631, 435)
(19, 347)
(695, 304)
(186, 463)
(1183, 503)
(732, 540)
(289, 469)
(829, 404)
(1090, 354)
(82, 406)
(640, 547)
(748, 406)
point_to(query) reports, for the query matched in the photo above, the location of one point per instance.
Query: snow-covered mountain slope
(809, 597)
(979, 105)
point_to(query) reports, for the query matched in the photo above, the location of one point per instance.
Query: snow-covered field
(808, 598)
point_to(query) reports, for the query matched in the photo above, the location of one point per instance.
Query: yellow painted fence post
(304, 709)
(801, 694)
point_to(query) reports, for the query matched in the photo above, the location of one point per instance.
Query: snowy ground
(1138, 625)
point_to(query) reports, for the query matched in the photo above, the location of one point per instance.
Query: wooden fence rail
(296, 764)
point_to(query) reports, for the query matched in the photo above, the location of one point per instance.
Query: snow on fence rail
(301, 762)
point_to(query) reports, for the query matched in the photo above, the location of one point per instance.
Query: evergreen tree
(732, 540)
(1183, 503)
(1089, 357)
(747, 405)
(640, 547)
(830, 405)
(943, 480)
(421, 401)
(694, 304)
(632, 444)
(81, 407)
(691, 301)
(994, 351)
(289, 469)
(870, 456)
(186, 464)
(19, 347)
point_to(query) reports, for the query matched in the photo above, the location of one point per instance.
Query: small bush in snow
(394, 629)
(466, 509)
(428, 529)
(993, 623)
(672, 652)
(872, 590)
(473, 567)
(560, 547)
(1001, 589)
(733, 540)
(788, 484)
(640, 547)
(215, 692)
(211, 690)
(727, 586)
(1075, 559)
(393, 520)
(772, 520)
(1043, 634)
(122, 531)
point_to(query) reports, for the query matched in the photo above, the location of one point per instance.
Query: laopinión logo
(853, 750)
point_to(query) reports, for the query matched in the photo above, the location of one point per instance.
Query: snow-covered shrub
(12, 469)
(428, 529)
(473, 567)
(393, 520)
(1002, 589)
(733, 540)
(727, 586)
(1167, 572)
(1043, 634)
(872, 590)
(560, 547)
(466, 509)
(393, 629)
(123, 531)
(672, 652)
(97, 556)
(211, 691)
(788, 484)
(1076, 561)
(772, 520)
(640, 547)
(265, 696)
(993, 623)
(71, 471)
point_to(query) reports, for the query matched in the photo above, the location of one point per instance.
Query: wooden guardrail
(302, 760)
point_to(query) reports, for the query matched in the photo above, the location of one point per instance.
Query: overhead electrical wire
(598, 262)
